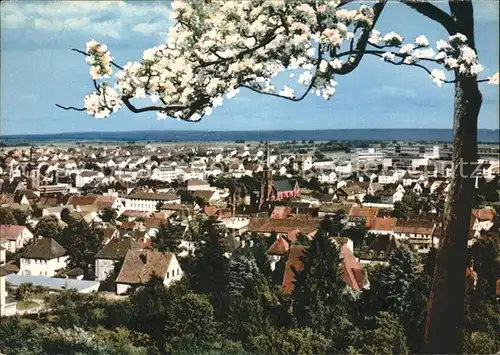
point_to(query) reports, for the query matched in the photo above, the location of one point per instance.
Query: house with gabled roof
(45, 257)
(140, 265)
(352, 272)
(114, 251)
(14, 237)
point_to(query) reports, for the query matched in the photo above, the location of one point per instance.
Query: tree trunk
(446, 310)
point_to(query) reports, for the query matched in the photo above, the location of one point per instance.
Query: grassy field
(27, 304)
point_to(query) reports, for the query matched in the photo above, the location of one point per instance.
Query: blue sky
(38, 70)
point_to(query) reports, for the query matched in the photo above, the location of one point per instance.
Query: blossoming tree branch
(217, 47)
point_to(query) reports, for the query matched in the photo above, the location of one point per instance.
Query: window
(168, 274)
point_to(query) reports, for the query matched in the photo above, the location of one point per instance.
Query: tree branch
(67, 108)
(86, 54)
(128, 104)
(434, 13)
(353, 62)
(301, 97)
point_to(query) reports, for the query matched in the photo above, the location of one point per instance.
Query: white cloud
(111, 18)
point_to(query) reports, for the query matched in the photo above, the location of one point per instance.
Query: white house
(44, 258)
(387, 178)
(145, 201)
(3, 292)
(14, 237)
(3, 256)
(114, 251)
(139, 265)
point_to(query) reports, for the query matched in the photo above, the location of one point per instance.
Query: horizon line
(227, 131)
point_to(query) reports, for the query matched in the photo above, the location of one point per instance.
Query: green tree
(149, 310)
(66, 216)
(168, 237)
(159, 205)
(20, 216)
(6, 216)
(290, 341)
(242, 271)
(209, 274)
(190, 324)
(82, 241)
(357, 234)
(49, 227)
(36, 211)
(318, 298)
(16, 336)
(74, 309)
(108, 215)
(386, 337)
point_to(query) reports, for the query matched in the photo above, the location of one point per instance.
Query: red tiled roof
(484, 214)
(363, 212)
(352, 271)
(210, 211)
(381, 223)
(279, 247)
(127, 225)
(131, 213)
(153, 222)
(140, 264)
(294, 260)
(268, 225)
(82, 200)
(281, 212)
(414, 227)
(10, 232)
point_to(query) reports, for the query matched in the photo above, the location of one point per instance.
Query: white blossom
(287, 92)
(393, 39)
(494, 79)
(407, 48)
(374, 37)
(442, 45)
(422, 41)
(438, 77)
(336, 63)
(458, 39)
(388, 56)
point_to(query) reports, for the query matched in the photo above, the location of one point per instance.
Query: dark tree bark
(446, 310)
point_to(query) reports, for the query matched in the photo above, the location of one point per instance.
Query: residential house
(361, 214)
(277, 250)
(266, 226)
(420, 233)
(482, 220)
(209, 197)
(111, 253)
(380, 250)
(147, 201)
(345, 168)
(14, 237)
(3, 256)
(381, 225)
(45, 257)
(140, 265)
(387, 177)
(197, 185)
(353, 273)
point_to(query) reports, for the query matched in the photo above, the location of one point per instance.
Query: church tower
(33, 173)
(266, 184)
